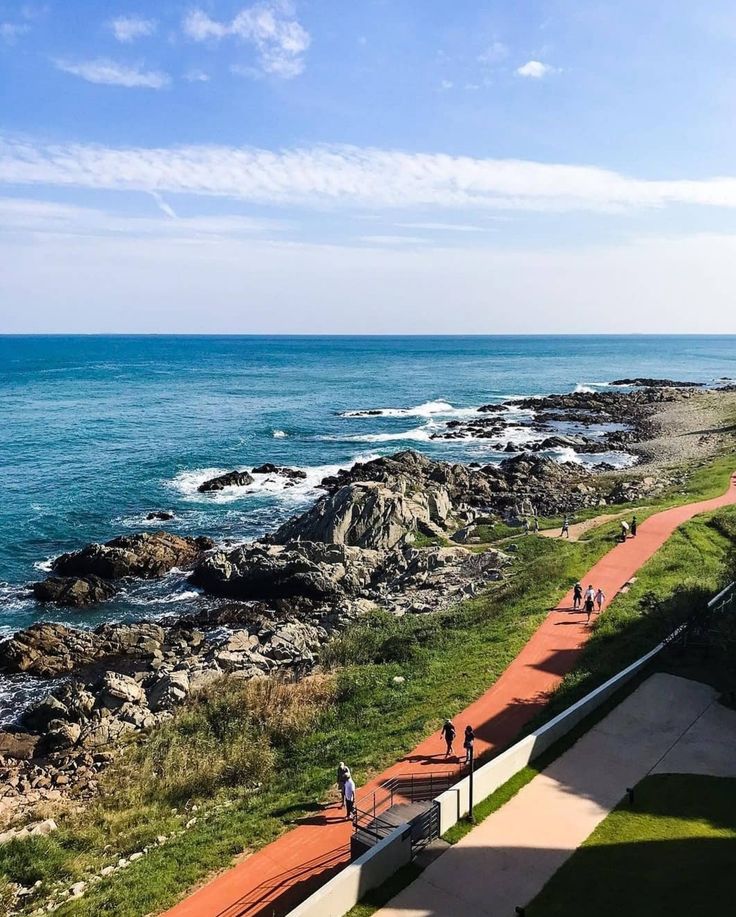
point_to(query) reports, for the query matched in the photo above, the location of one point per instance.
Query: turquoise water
(95, 432)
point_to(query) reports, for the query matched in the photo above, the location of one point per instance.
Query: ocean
(96, 432)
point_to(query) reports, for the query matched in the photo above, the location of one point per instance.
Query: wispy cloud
(129, 28)
(367, 178)
(111, 73)
(196, 76)
(271, 27)
(10, 32)
(494, 53)
(535, 70)
(50, 218)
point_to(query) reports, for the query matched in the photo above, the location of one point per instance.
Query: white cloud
(366, 178)
(10, 32)
(129, 28)
(446, 84)
(494, 53)
(535, 70)
(111, 73)
(271, 27)
(196, 76)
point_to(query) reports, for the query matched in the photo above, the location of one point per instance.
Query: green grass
(670, 855)
(447, 660)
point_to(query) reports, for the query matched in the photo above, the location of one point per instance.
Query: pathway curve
(272, 881)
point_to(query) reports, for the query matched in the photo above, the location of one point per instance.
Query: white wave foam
(185, 596)
(186, 483)
(583, 389)
(428, 409)
(44, 565)
(616, 458)
(279, 434)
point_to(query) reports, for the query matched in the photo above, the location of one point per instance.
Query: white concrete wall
(369, 871)
(344, 891)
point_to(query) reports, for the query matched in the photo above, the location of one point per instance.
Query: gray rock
(118, 690)
(19, 745)
(309, 570)
(62, 735)
(168, 691)
(147, 555)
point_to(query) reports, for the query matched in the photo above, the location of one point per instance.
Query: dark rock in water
(511, 447)
(491, 409)
(74, 591)
(292, 474)
(314, 571)
(147, 555)
(230, 479)
(643, 382)
(160, 515)
(19, 745)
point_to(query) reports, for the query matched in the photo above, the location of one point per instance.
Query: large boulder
(315, 571)
(74, 591)
(19, 745)
(48, 650)
(120, 689)
(168, 690)
(292, 475)
(366, 515)
(147, 555)
(229, 479)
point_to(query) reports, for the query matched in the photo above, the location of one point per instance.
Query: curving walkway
(273, 880)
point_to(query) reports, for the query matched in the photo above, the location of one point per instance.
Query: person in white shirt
(349, 797)
(600, 598)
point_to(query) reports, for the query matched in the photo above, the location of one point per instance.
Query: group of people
(589, 600)
(449, 733)
(627, 529)
(346, 784)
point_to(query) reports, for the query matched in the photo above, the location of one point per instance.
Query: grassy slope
(447, 661)
(671, 856)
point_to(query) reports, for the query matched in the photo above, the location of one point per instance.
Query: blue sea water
(95, 432)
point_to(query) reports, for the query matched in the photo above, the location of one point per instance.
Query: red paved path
(280, 875)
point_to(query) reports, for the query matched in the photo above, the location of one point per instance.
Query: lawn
(670, 855)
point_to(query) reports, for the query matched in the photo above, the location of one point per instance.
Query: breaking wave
(427, 409)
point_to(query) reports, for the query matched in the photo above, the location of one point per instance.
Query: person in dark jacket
(577, 596)
(448, 734)
(633, 526)
(468, 742)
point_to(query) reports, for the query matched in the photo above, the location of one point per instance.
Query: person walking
(624, 531)
(577, 596)
(565, 528)
(600, 598)
(349, 796)
(448, 734)
(343, 775)
(589, 602)
(633, 526)
(526, 526)
(468, 742)
(535, 524)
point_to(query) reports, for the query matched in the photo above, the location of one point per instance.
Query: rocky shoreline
(394, 533)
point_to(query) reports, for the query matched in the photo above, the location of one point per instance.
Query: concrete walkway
(668, 724)
(272, 881)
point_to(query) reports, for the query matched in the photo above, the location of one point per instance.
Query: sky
(372, 166)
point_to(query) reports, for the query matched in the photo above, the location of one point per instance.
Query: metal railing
(725, 601)
(405, 788)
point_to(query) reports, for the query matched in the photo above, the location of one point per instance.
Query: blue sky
(376, 166)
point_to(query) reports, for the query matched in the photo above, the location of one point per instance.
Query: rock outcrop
(315, 571)
(147, 555)
(366, 515)
(74, 591)
(292, 475)
(229, 479)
